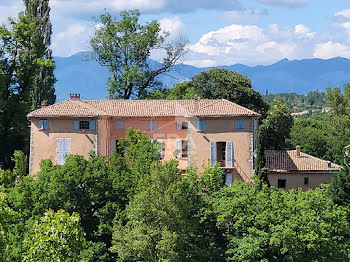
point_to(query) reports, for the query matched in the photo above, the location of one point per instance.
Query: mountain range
(75, 75)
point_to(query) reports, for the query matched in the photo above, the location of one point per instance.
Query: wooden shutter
(119, 125)
(76, 125)
(212, 153)
(178, 125)
(46, 124)
(229, 154)
(202, 125)
(92, 124)
(41, 124)
(228, 179)
(178, 148)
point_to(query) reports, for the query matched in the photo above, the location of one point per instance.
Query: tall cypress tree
(42, 86)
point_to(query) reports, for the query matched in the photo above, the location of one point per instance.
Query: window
(181, 148)
(84, 125)
(181, 125)
(306, 181)
(119, 125)
(221, 153)
(184, 148)
(281, 183)
(43, 124)
(63, 149)
(239, 124)
(152, 125)
(228, 179)
(202, 126)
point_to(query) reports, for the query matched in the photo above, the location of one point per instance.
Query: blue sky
(220, 32)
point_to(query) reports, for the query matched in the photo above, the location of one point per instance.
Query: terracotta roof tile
(144, 108)
(288, 161)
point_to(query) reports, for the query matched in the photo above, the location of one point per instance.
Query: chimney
(74, 96)
(196, 101)
(298, 151)
(329, 164)
(43, 104)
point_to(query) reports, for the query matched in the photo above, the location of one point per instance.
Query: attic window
(84, 125)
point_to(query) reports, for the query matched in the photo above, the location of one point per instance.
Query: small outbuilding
(293, 169)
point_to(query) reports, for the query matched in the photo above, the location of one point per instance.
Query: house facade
(295, 169)
(196, 132)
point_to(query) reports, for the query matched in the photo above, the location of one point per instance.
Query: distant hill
(299, 76)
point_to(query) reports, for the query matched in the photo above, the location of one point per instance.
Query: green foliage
(57, 236)
(273, 135)
(269, 224)
(218, 83)
(163, 221)
(26, 75)
(8, 178)
(310, 135)
(124, 46)
(313, 101)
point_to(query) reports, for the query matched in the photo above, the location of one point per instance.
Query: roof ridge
(206, 106)
(245, 108)
(91, 107)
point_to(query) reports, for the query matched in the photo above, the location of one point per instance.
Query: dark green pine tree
(42, 88)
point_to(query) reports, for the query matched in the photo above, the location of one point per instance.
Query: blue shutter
(76, 124)
(178, 125)
(41, 124)
(229, 154)
(212, 153)
(202, 125)
(92, 124)
(46, 124)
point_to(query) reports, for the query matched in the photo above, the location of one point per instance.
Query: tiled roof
(288, 161)
(143, 108)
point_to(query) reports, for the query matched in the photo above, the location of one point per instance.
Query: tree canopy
(217, 83)
(124, 46)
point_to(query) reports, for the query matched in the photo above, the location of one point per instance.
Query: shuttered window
(202, 125)
(152, 125)
(63, 149)
(181, 125)
(43, 124)
(119, 125)
(239, 124)
(84, 125)
(228, 179)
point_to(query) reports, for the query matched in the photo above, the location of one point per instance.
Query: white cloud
(331, 49)
(74, 39)
(87, 8)
(174, 26)
(201, 63)
(289, 3)
(240, 16)
(342, 16)
(253, 45)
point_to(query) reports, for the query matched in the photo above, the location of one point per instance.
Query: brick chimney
(74, 96)
(43, 104)
(298, 151)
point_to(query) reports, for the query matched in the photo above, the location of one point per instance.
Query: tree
(22, 63)
(124, 47)
(57, 236)
(273, 135)
(309, 134)
(38, 13)
(269, 224)
(163, 222)
(219, 83)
